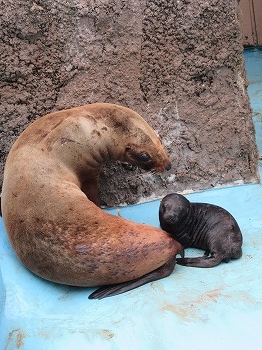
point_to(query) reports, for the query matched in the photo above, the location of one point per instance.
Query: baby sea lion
(50, 200)
(201, 225)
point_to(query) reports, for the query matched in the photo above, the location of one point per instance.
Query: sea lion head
(127, 137)
(144, 149)
(173, 209)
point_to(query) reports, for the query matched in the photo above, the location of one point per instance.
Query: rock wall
(177, 63)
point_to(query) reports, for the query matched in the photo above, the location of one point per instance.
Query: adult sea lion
(201, 225)
(50, 200)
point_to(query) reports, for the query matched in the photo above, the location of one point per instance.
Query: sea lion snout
(170, 219)
(168, 166)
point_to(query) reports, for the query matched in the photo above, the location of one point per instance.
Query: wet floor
(218, 308)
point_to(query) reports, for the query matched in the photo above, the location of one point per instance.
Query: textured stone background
(177, 63)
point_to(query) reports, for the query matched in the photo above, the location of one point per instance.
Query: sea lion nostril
(168, 166)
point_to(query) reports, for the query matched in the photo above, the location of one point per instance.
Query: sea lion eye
(144, 157)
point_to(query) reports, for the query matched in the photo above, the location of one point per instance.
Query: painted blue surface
(218, 308)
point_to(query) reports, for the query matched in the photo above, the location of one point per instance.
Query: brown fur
(49, 198)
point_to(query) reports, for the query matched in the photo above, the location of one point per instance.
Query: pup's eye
(144, 157)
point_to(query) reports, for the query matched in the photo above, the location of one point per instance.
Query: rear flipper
(114, 289)
(202, 261)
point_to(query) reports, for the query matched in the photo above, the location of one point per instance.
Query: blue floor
(218, 308)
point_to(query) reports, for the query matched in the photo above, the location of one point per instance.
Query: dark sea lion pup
(50, 200)
(201, 225)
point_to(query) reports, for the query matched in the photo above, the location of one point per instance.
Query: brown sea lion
(50, 200)
(201, 225)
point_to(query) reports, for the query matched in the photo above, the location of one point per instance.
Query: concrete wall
(177, 63)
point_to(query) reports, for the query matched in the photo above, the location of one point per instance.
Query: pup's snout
(168, 217)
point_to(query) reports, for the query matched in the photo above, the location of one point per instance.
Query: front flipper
(115, 289)
(202, 261)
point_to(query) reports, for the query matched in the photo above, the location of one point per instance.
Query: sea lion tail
(202, 261)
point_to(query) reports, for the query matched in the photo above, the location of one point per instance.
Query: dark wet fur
(201, 225)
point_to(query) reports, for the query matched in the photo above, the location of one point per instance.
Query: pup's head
(173, 209)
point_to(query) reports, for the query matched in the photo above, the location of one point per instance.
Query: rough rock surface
(177, 63)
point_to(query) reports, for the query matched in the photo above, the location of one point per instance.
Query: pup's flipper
(202, 261)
